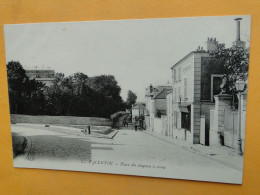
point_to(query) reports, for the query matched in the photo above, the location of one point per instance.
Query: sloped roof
(159, 89)
(162, 94)
(139, 106)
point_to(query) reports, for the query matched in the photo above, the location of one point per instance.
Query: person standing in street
(135, 122)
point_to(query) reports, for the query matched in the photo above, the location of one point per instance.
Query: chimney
(212, 44)
(238, 42)
(238, 28)
(151, 88)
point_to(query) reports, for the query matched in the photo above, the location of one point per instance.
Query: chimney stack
(238, 28)
(151, 88)
(212, 44)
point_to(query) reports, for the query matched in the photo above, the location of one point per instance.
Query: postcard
(151, 97)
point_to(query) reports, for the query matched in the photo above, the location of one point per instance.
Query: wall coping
(223, 96)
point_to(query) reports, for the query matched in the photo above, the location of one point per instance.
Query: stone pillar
(217, 133)
(243, 101)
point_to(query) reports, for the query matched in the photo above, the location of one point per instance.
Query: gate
(202, 130)
(230, 127)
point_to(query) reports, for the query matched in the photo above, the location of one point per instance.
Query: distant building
(138, 110)
(45, 76)
(155, 104)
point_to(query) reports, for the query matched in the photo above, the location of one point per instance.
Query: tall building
(46, 76)
(195, 80)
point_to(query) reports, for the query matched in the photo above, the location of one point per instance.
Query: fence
(230, 127)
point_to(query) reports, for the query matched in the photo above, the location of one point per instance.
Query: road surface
(129, 152)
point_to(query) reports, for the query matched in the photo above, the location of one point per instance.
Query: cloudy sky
(137, 52)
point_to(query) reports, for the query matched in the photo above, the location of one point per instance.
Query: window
(174, 75)
(179, 94)
(175, 119)
(185, 88)
(179, 73)
(175, 95)
(185, 120)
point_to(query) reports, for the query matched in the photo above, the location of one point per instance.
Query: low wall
(65, 120)
(179, 134)
(158, 125)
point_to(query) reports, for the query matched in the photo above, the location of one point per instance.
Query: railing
(230, 120)
(230, 127)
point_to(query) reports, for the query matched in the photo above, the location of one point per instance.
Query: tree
(16, 80)
(74, 95)
(131, 99)
(25, 96)
(235, 60)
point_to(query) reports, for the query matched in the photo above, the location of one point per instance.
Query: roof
(202, 51)
(159, 89)
(138, 106)
(169, 91)
(162, 94)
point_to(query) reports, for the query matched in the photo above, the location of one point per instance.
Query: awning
(183, 108)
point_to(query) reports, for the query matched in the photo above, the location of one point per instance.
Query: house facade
(156, 107)
(46, 76)
(138, 110)
(196, 78)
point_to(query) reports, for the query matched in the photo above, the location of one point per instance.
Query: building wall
(183, 86)
(187, 84)
(197, 96)
(45, 76)
(135, 112)
(169, 113)
(160, 104)
(160, 125)
(36, 73)
(205, 110)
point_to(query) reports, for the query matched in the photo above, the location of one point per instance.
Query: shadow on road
(62, 147)
(19, 144)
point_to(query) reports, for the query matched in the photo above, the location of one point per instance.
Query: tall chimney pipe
(238, 28)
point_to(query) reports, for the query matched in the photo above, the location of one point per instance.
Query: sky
(137, 52)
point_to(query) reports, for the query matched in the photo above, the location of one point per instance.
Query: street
(129, 152)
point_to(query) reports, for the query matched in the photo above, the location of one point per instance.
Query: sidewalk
(222, 154)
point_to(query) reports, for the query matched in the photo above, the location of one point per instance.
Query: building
(227, 125)
(196, 78)
(43, 75)
(138, 110)
(156, 106)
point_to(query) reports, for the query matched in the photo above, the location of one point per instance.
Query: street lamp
(240, 87)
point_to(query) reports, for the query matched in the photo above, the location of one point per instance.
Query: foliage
(74, 95)
(131, 99)
(25, 96)
(235, 60)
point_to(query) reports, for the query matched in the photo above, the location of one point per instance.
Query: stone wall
(64, 120)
